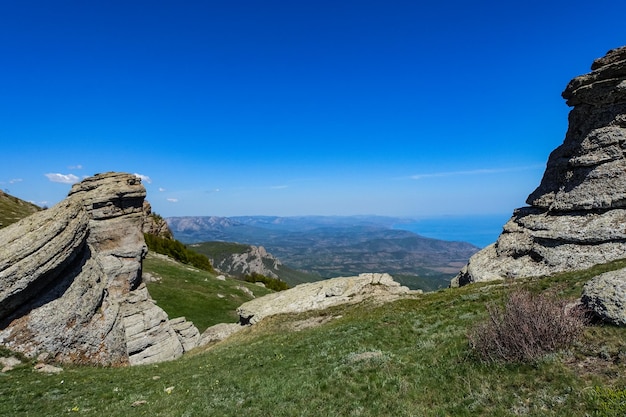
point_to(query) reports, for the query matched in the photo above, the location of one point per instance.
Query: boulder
(70, 279)
(575, 217)
(605, 295)
(321, 295)
(219, 332)
(187, 333)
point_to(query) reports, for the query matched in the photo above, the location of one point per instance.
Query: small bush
(527, 328)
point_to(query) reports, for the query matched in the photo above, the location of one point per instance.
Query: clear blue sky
(403, 108)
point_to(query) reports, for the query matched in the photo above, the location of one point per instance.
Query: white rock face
(70, 280)
(320, 295)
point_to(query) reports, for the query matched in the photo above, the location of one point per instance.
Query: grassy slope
(195, 294)
(407, 358)
(13, 209)
(221, 250)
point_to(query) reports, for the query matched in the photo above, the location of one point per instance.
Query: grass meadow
(406, 358)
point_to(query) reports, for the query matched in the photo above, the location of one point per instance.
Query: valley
(333, 246)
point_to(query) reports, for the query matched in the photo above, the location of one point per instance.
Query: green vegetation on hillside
(12, 209)
(178, 251)
(196, 294)
(218, 251)
(271, 283)
(406, 358)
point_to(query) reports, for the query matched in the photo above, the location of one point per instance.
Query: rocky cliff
(70, 280)
(576, 217)
(254, 259)
(154, 224)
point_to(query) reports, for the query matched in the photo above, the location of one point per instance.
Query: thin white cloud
(172, 200)
(15, 180)
(144, 178)
(79, 166)
(62, 178)
(484, 171)
(279, 187)
(161, 189)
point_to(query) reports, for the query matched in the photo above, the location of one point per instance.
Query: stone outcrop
(576, 217)
(254, 260)
(605, 295)
(154, 224)
(321, 295)
(70, 280)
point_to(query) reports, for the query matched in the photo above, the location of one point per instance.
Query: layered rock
(154, 224)
(70, 279)
(321, 295)
(576, 217)
(253, 260)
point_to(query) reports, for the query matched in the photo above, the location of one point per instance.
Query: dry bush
(528, 327)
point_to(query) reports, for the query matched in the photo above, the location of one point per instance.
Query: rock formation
(255, 259)
(154, 224)
(576, 217)
(70, 280)
(605, 295)
(320, 295)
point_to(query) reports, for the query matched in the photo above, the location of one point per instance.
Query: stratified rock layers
(577, 215)
(70, 280)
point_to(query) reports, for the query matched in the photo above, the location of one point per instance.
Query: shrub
(273, 284)
(178, 251)
(526, 328)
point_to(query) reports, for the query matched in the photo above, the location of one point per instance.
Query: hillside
(239, 259)
(337, 246)
(13, 209)
(406, 358)
(184, 291)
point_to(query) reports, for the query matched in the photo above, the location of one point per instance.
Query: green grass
(13, 209)
(406, 358)
(196, 294)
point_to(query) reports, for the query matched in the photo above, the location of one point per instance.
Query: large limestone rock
(576, 217)
(70, 280)
(320, 295)
(605, 295)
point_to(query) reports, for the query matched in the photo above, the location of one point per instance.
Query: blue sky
(402, 108)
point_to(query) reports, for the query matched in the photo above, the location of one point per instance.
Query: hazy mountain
(331, 246)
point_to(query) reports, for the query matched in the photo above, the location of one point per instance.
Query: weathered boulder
(320, 295)
(576, 216)
(187, 333)
(219, 332)
(605, 295)
(70, 279)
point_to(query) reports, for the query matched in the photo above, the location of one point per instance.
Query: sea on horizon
(480, 230)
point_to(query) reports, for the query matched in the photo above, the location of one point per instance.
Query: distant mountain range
(330, 246)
